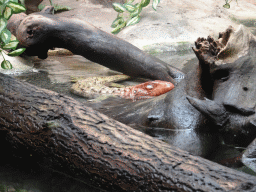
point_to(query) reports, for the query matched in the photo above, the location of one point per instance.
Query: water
(54, 73)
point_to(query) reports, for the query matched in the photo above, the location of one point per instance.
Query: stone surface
(175, 22)
(20, 65)
(174, 27)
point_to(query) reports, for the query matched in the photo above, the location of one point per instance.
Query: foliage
(57, 8)
(227, 5)
(7, 8)
(129, 13)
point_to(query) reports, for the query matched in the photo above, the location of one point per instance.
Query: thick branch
(42, 31)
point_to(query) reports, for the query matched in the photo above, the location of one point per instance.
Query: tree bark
(91, 147)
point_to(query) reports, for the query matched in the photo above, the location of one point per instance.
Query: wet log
(91, 147)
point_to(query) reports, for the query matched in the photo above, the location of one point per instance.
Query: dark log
(100, 151)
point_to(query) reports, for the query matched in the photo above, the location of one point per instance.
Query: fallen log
(89, 146)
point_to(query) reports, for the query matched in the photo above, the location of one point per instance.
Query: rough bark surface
(90, 146)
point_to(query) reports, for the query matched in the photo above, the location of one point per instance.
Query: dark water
(54, 74)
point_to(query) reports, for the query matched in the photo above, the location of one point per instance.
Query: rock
(20, 65)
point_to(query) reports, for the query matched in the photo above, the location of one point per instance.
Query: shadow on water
(54, 74)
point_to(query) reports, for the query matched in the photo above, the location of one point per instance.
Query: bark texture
(90, 146)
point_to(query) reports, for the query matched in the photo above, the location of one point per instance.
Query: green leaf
(6, 36)
(60, 8)
(16, 1)
(227, 6)
(12, 45)
(3, 23)
(137, 5)
(133, 21)
(2, 7)
(136, 12)
(7, 13)
(13, 38)
(41, 7)
(131, 1)
(17, 52)
(145, 3)
(155, 3)
(116, 30)
(118, 7)
(16, 7)
(117, 21)
(6, 64)
(129, 7)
